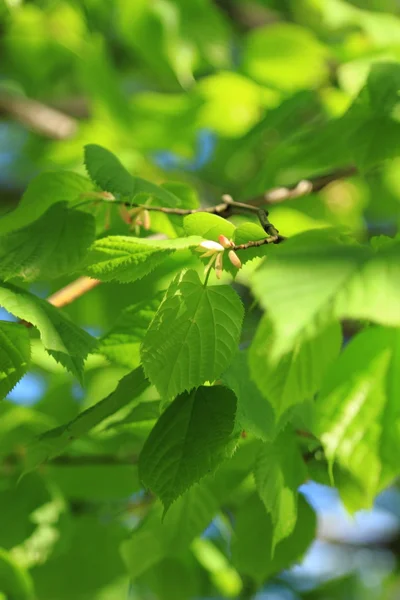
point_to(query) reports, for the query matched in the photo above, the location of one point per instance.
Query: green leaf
(154, 539)
(357, 416)
(42, 192)
(50, 247)
(14, 580)
(66, 342)
(298, 375)
(126, 259)
(110, 175)
(279, 471)
(193, 336)
(190, 439)
(377, 139)
(188, 516)
(383, 87)
(15, 352)
(313, 279)
(53, 442)
(254, 412)
(122, 343)
(252, 543)
(208, 226)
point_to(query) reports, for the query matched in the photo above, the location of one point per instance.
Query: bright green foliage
(331, 280)
(53, 442)
(193, 336)
(66, 342)
(357, 414)
(126, 259)
(53, 245)
(190, 439)
(42, 192)
(14, 581)
(279, 471)
(298, 375)
(156, 437)
(122, 343)
(111, 176)
(15, 354)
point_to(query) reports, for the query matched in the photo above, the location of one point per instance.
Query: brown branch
(302, 188)
(72, 291)
(38, 117)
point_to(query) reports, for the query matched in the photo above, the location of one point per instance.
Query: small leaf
(208, 226)
(189, 440)
(50, 247)
(111, 176)
(279, 471)
(298, 374)
(42, 192)
(53, 442)
(357, 417)
(193, 336)
(66, 342)
(122, 343)
(126, 259)
(15, 351)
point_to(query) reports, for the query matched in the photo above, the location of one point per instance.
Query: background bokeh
(230, 96)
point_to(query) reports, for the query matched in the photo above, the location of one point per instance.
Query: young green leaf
(126, 259)
(42, 192)
(53, 442)
(193, 336)
(190, 439)
(208, 226)
(313, 279)
(50, 247)
(110, 175)
(15, 351)
(279, 471)
(298, 374)
(357, 415)
(254, 413)
(122, 343)
(66, 342)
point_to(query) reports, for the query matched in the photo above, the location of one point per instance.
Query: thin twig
(302, 188)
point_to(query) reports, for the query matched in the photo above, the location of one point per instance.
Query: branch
(302, 188)
(42, 119)
(72, 291)
(225, 209)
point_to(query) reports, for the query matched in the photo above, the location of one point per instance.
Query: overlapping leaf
(357, 412)
(279, 471)
(53, 245)
(66, 342)
(111, 176)
(42, 192)
(189, 440)
(122, 343)
(313, 279)
(252, 543)
(53, 442)
(298, 375)
(254, 413)
(193, 336)
(15, 353)
(126, 259)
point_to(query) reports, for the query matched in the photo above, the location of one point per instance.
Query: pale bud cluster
(215, 251)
